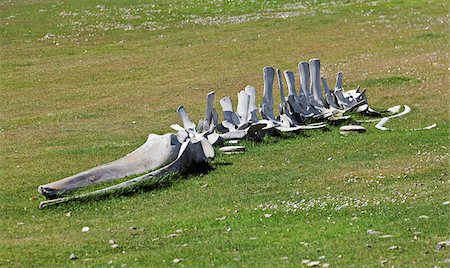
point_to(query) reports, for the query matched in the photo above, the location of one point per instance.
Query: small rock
(446, 203)
(443, 244)
(204, 185)
(85, 229)
(330, 158)
(155, 239)
(253, 238)
(351, 129)
(178, 231)
(393, 248)
(185, 245)
(306, 261)
(171, 235)
(313, 264)
(383, 262)
(372, 232)
(110, 262)
(20, 223)
(68, 214)
(326, 265)
(321, 257)
(133, 228)
(114, 245)
(267, 215)
(111, 241)
(73, 256)
(423, 217)
(285, 258)
(177, 260)
(221, 218)
(386, 236)
(228, 229)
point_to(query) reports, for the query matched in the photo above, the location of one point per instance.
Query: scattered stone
(204, 185)
(20, 223)
(73, 256)
(110, 262)
(306, 261)
(285, 258)
(155, 239)
(344, 130)
(321, 257)
(178, 231)
(386, 236)
(393, 248)
(232, 149)
(372, 232)
(330, 158)
(221, 218)
(177, 260)
(68, 214)
(313, 264)
(423, 217)
(326, 265)
(253, 238)
(267, 215)
(85, 229)
(185, 245)
(443, 244)
(111, 241)
(171, 235)
(114, 245)
(228, 229)
(133, 228)
(446, 203)
(383, 262)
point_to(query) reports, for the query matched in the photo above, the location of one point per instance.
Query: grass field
(84, 82)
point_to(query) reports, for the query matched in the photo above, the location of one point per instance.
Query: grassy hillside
(84, 82)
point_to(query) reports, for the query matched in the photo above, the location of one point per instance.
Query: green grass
(83, 83)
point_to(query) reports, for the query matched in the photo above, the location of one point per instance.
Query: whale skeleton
(170, 153)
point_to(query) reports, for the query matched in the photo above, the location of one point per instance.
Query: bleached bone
(266, 109)
(286, 123)
(240, 126)
(252, 108)
(330, 98)
(283, 105)
(208, 122)
(190, 151)
(243, 106)
(305, 95)
(300, 109)
(316, 90)
(156, 152)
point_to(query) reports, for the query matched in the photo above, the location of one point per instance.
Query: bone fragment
(232, 149)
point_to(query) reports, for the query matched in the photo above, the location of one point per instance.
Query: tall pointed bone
(267, 103)
(190, 151)
(305, 96)
(252, 108)
(156, 152)
(316, 90)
